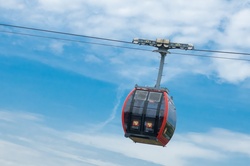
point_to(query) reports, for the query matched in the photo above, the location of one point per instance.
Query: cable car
(148, 113)
(149, 116)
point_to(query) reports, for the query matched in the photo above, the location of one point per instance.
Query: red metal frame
(160, 136)
(123, 108)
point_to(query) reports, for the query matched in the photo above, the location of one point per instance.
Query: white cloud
(57, 47)
(178, 152)
(10, 117)
(60, 6)
(12, 4)
(232, 71)
(37, 144)
(237, 31)
(92, 59)
(215, 24)
(225, 140)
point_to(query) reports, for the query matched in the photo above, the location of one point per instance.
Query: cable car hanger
(163, 45)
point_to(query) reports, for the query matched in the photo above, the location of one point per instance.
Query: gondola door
(144, 114)
(137, 112)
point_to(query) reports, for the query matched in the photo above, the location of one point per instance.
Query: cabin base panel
(146, 141)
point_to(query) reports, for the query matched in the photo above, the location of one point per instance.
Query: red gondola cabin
(149, 116)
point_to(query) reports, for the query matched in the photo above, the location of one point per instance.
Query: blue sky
(61, 101)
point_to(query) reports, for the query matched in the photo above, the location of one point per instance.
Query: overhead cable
(108, 39)
(124, 47)
(207, 56)
(223, 52)
(72, 40)
(65, 33)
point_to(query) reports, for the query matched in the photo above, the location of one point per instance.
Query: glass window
(139, 103)
(127, 107)
(151, 113)
(168, 131)
(154, 97)
(141, 95)
(162, 109)
(153, 105)
(171, 114)
(137, 110)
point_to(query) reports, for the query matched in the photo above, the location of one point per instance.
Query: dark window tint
(127, 107)
(168, 131)
(154, 97)
(138, 103)
(151, 112)
(141, 95)
(171, 113)
(137, 110)
(153, 105)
